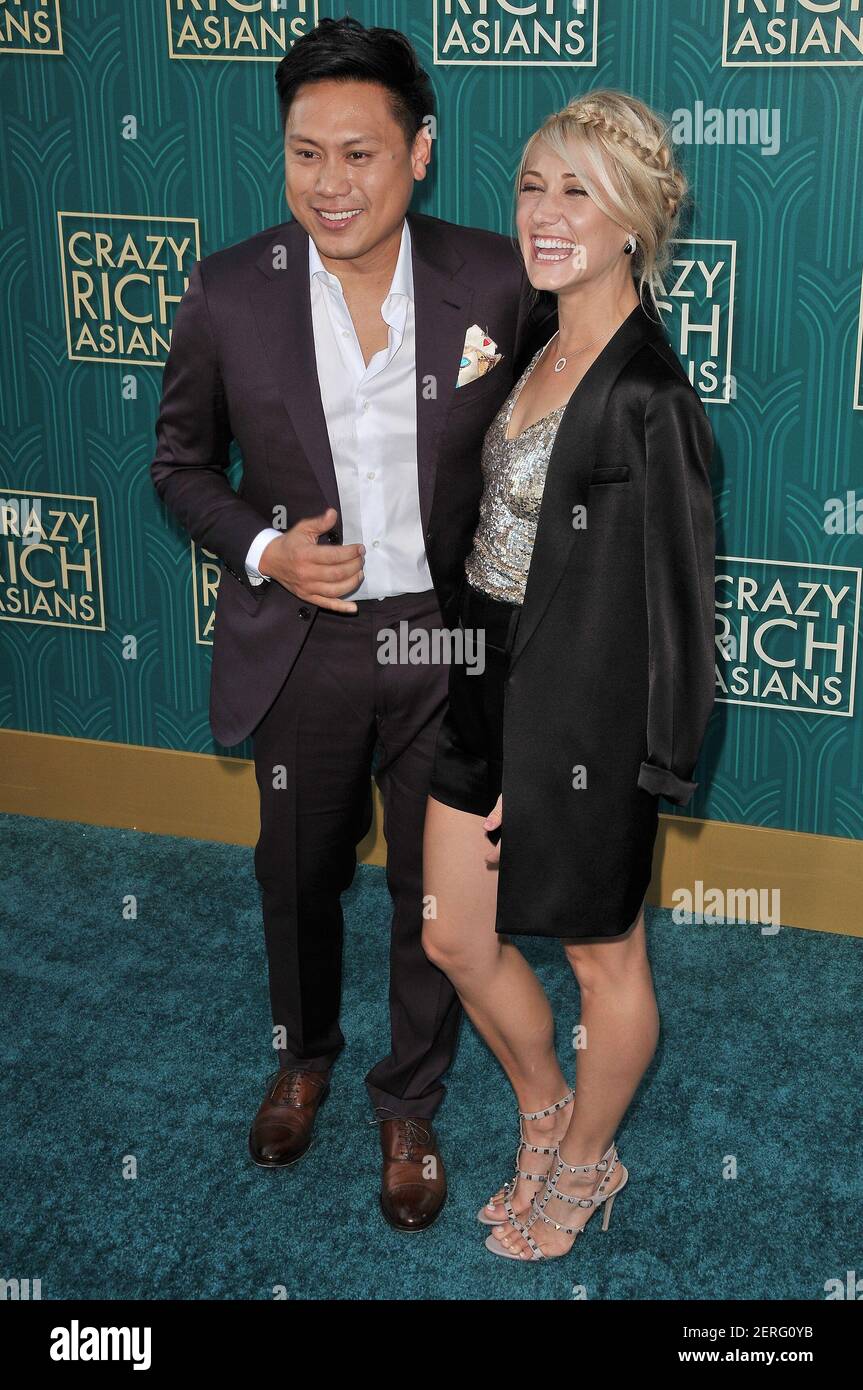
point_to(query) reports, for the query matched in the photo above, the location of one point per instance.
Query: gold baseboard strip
(203, 797)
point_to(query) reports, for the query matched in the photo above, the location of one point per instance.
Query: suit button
(305, 613)
(333, 537)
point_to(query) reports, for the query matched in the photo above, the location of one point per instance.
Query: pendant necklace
(562, 361)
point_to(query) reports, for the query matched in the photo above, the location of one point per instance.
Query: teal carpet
(140, 1039)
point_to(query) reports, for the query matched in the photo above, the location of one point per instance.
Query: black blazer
(612, 667)
(242, 366)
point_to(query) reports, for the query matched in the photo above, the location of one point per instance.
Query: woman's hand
(493, 822)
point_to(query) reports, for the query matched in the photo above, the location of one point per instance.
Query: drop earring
(630, 246)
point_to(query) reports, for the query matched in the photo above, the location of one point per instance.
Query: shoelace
(287, 1090)
(414, 1133)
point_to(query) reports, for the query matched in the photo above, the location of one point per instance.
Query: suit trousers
(343, 715)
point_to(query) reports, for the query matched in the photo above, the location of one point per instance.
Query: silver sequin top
(513, 473)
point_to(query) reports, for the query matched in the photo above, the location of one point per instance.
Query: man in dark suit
(357, 354)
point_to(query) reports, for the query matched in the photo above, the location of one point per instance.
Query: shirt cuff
(256, 550)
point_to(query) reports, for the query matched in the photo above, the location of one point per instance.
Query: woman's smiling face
(565, 238)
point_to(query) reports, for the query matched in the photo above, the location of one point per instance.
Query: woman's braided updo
(621, 151)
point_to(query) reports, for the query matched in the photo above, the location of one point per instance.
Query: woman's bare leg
(499, 991)
(621, 1025)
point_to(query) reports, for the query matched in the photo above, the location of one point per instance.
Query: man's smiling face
(349, 170)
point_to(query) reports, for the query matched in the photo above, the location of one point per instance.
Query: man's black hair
(344, 50)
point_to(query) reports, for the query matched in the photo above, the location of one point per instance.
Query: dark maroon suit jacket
(242, 367)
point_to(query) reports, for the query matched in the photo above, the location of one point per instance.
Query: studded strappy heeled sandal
(607, 1165)
(485, 1215)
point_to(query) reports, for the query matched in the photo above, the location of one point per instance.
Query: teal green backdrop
(140, 134)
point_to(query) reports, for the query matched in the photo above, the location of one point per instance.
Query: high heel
(510, 1186)
(607, 1165)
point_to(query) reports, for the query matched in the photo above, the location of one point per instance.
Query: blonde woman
(591, 579)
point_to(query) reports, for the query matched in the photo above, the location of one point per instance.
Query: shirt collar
(402, 281)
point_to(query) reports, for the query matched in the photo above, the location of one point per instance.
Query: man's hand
(492, 822)
(316, 573)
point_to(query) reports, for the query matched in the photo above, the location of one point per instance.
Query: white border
(114, 217)
(228, 57)
(807, 565)
(35, 51)
(719, 241)
(858, 371)
(32, 493)
(782, 62)
(513, 62)
(200, 557)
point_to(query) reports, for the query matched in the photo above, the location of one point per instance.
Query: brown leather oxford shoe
(413, 1188)
(282, 1129)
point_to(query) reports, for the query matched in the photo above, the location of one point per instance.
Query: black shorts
(468, 763)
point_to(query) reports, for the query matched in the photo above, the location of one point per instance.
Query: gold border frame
(439, 62)
(228, 57)
(64, 278)
(40, 52)
(30, 494)
(204, 797)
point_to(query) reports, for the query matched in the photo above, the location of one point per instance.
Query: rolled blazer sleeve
(193, 437)
(679, 554)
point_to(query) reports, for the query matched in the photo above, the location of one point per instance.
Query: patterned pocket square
(478, 356)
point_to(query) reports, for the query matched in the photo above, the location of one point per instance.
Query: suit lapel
(442, 309)
(282, 309)
(567, 481)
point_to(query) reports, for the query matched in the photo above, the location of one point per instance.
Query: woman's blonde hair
(621, 151)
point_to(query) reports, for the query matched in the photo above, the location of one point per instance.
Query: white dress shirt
(371, 421)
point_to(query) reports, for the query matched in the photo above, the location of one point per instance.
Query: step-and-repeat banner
(139, 135)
